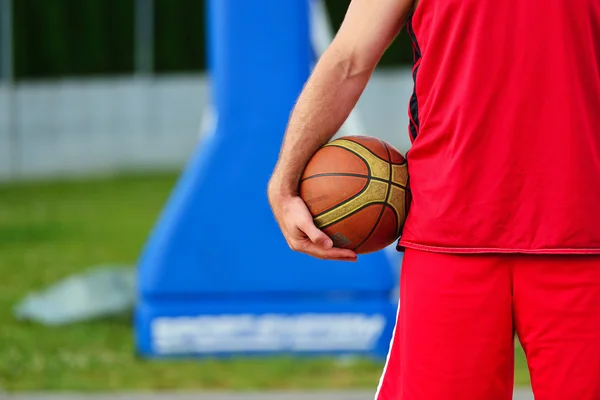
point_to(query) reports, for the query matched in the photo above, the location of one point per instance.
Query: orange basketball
(356, 189)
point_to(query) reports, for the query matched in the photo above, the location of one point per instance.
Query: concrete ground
(520, 394)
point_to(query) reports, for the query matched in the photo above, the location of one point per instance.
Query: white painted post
(144, 36)
(7, 78)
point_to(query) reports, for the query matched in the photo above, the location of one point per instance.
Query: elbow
(350, 63)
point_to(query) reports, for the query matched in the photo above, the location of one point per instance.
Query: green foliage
(180, 35)
(56, 38)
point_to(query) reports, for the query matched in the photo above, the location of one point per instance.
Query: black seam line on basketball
(368, 166)
(373, 228)
(399, 225)
(367, 149)
(390, 182)
(354, 176)
(354, 212)
(369, 176)
(335, 174)
(361, 191)
(395, 213)
(387, 198)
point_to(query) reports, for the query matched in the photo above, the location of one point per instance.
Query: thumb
(316, 236)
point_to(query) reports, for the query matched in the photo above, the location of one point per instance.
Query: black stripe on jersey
(414, 101)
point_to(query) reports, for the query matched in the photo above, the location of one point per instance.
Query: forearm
(325, 103)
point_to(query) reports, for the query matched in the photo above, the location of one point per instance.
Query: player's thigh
(557, 313)
(454, 335)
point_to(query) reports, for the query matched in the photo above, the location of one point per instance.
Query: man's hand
(300, 231)
(331, 92)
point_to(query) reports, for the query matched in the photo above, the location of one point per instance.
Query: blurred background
(101, 105)
(97, 86)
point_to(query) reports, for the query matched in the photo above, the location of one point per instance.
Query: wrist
(282, 188)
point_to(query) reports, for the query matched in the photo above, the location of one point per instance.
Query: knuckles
(294, 245)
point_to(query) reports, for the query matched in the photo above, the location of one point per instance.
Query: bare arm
(336, 84)
(333, 89)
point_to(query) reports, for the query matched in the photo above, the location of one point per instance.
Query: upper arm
(369, 27)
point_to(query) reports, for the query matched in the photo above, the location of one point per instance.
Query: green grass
(51, 230)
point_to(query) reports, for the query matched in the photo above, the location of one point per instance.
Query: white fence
(73, 127)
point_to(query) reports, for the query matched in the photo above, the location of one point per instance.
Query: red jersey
(505, 122)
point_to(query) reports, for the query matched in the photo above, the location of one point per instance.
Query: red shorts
(454, 337)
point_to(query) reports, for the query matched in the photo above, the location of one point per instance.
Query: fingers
(319, 244)
(330, 254)
(315, 235)
(310, 248)
(302, 235)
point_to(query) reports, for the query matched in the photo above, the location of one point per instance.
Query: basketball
(356, 190)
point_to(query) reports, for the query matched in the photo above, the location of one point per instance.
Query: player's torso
(506, 116)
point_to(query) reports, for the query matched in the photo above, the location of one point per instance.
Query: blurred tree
(180, 35)
(399, 53)
(55, 38)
